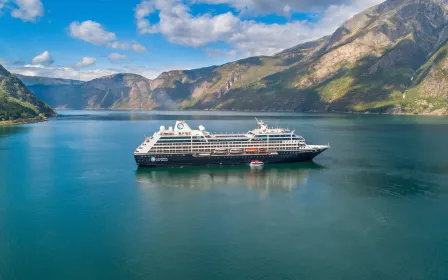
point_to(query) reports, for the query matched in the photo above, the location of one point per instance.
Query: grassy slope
(351, 89)
(429, 92)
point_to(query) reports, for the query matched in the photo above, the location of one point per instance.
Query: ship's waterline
(183, 146)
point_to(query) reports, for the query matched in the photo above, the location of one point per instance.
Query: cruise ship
(183, 146)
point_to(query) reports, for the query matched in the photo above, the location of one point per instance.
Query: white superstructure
(182, 139)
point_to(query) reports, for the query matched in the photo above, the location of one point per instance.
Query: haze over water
(73, 204)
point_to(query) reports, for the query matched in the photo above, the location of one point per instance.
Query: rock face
(389, 58)
(17, 102)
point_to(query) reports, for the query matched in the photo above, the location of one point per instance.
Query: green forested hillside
(17, 102)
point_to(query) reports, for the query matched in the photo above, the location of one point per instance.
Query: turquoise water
(74, 206)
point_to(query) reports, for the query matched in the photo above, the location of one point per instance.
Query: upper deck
(181, 128)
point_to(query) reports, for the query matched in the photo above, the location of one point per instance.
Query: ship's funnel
(182, 126)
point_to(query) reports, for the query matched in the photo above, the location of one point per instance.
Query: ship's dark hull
(167, 160)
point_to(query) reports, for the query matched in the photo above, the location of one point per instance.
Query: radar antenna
(262, 124)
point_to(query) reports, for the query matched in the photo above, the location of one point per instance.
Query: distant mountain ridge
(36, 80)
(17, 102)
(391, 58)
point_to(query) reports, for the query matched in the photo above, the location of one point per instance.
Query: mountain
(17, 102)
(120, 91)
(36, 80)
(391, 58)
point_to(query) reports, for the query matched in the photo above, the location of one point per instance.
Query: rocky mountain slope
(17, 102)
(389, 58)
(121, 91)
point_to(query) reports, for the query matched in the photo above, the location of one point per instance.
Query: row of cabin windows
(211, 149)
(220, 146)
(202, 142)
(227, 143)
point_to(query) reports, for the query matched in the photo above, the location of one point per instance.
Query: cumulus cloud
(218, 53)
(179, 25)
(91, 32)
(86, 61)
(114, 57)
(94, 33)
(62, 72)
(280, 7)
(44, 58)
(26, 10)
(148, 72)
(136, 47)
(83, 75)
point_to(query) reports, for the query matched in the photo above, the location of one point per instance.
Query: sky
(87, 39)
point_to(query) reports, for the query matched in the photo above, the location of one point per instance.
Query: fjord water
(73, 204)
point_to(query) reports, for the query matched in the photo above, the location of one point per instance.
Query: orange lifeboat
(251, 150)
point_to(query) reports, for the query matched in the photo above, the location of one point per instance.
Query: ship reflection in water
(276, 176)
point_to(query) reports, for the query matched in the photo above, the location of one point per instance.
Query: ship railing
(153, 140)
(189, 149)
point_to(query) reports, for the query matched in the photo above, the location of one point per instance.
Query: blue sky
(87, 39)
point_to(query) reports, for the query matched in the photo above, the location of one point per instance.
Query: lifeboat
(220, 151)
(263, 150)
(256, 163)
(251, 150)
(236, 151)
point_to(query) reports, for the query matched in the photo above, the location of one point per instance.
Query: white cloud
(113, 57)
(2, 4)
(136, 47)
(94, 33)
(179, 26)
(280, 7)
(91, 32)
(44, 58)
(218, 53)
(26, 10)
(86, 61)
(148, 72)
(248, 37)
(141, 11)
(76, 74)
(62, 72)
(119, 45)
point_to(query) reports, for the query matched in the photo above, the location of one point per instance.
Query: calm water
(74, 206)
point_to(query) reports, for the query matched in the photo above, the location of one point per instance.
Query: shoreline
(23, 121)
(261, 111)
